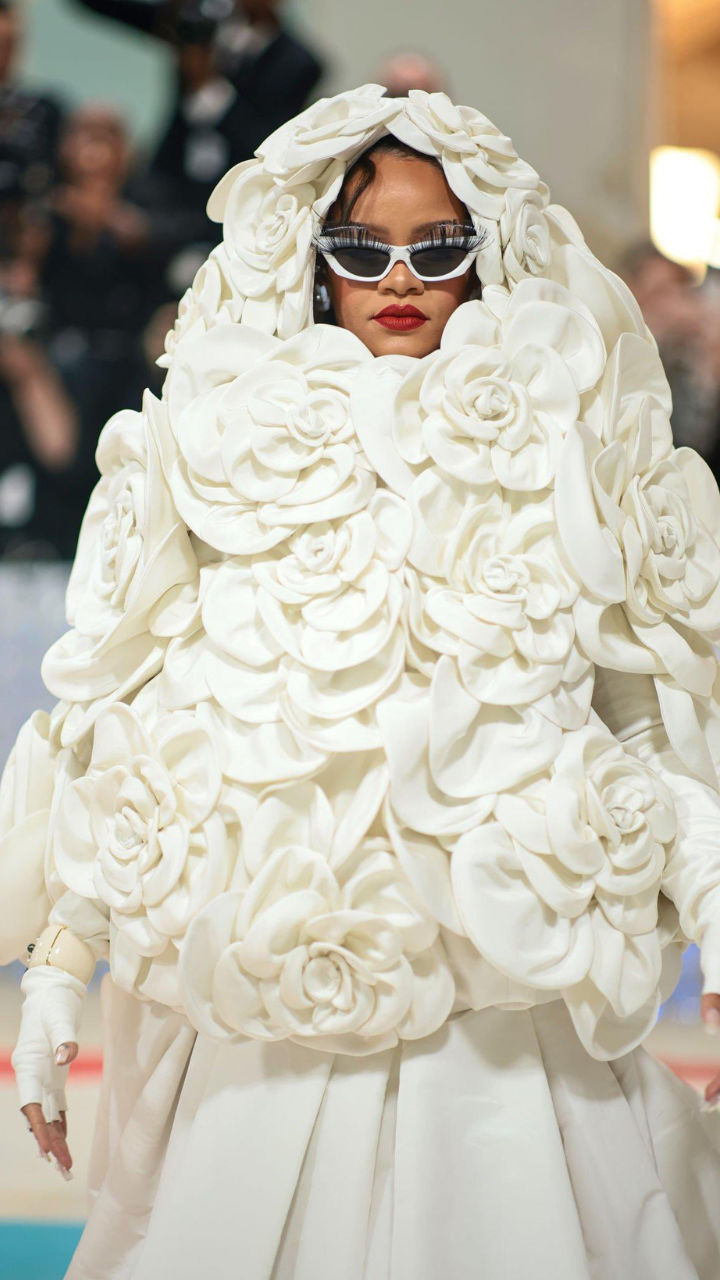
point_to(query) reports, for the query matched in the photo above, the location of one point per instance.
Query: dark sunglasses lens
(438, 261)
(368, 264)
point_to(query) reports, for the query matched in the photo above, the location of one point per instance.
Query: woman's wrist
(60, 948)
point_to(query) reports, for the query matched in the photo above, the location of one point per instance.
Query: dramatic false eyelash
(465, 240)
(356, 236)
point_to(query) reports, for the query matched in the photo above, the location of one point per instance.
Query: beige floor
(30, 1188)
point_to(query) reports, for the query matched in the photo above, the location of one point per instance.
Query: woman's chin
(387, 342)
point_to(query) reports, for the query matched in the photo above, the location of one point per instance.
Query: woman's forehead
(407, 197)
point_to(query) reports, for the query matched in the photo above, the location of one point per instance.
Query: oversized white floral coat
(389, 689)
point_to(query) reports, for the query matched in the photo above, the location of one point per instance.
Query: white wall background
(569, 80)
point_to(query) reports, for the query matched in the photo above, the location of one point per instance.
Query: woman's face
(405, 200)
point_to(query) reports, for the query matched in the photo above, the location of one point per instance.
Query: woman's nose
(401, 281)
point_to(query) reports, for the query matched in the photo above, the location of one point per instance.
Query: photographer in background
(240, 74)
(97, 269)
(71, 350)
(38, 424)
(272, 73)
(29, 132)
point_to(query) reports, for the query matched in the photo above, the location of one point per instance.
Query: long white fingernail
(65, 1172)
(63, 1053)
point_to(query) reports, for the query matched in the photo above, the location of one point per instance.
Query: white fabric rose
(633, 388)
(231, 673)
(26, 793)
(332, 129)
(495, 591)
(335, 953)
(609, 300)
(133, 551)
(274, 447)
(526, 234)
(141, 832)
(536, 239)
(449, 757)
(333, 605)
(560, 889)
(471, 146)
(448, 752)
(494, 403)
(210, 300)
(644, 539)
(267, 238)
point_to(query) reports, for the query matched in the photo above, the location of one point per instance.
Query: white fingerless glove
(50, 1017)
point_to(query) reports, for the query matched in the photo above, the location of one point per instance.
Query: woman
(361, 769)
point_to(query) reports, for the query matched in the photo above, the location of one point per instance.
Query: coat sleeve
(628, 704)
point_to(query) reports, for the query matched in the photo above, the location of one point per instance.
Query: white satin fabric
(495, 1148)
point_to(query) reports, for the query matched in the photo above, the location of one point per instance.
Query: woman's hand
(47, 1044)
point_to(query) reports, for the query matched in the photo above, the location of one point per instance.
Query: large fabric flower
(230, 672)
(644, 538)
(133, 552)
(494, 403)
(333, 129)
(141, 832)
(560, 888)
(449, 757)
(267, 236)
(494, 590)
(333, 605)
(338, 954)
(633, 390)
(526, 235)
(273, 448)
(210, 300)
(479, 160)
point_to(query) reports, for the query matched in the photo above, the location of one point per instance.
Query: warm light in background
(684, 204)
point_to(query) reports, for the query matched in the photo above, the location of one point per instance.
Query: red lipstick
(401, 319)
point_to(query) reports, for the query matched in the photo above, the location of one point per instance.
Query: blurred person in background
(405, 71)
(240, 75)
(29, 132)
(271, 72)
(206, 134)
(91, 248)
(88, 256)
(38, 426)
(40, 442)
(685, 323)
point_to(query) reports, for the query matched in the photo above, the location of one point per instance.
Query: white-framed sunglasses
(356, 253)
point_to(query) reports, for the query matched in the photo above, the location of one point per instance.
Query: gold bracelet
(58, 947)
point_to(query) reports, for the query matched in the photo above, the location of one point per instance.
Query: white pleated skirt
(495, 1149)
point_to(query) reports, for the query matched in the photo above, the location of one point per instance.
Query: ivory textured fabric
(496, 1148)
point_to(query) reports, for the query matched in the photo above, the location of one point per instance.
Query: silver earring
(322, 297)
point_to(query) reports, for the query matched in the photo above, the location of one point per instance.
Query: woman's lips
(403, 319)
